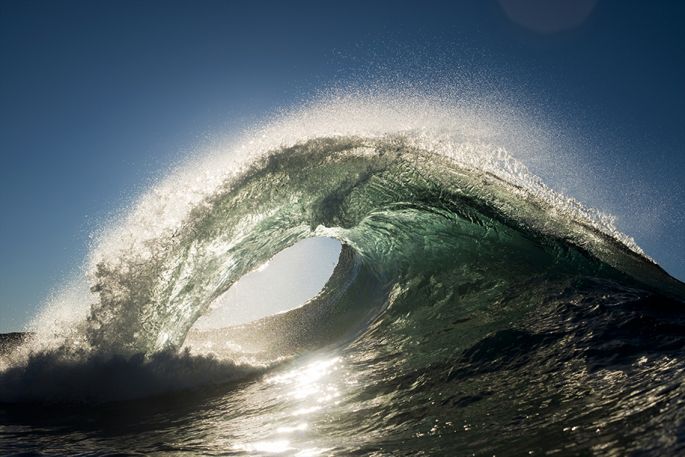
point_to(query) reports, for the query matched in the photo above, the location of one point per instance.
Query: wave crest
(410, 185)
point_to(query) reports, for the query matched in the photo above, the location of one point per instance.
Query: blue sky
(99, 98)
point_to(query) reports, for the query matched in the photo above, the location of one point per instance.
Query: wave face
(472, 307)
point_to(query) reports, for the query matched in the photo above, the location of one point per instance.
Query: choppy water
(473, 309)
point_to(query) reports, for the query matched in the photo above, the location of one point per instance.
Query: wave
(427, 207)
(399, 207)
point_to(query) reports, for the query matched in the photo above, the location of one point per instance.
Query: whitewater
(473, 309)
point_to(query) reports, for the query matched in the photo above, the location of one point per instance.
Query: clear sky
(99, 98)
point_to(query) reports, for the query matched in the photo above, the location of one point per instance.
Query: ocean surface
(474, 310)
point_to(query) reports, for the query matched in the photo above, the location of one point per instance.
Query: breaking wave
(447, 240)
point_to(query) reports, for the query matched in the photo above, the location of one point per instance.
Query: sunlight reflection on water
(304, 390)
